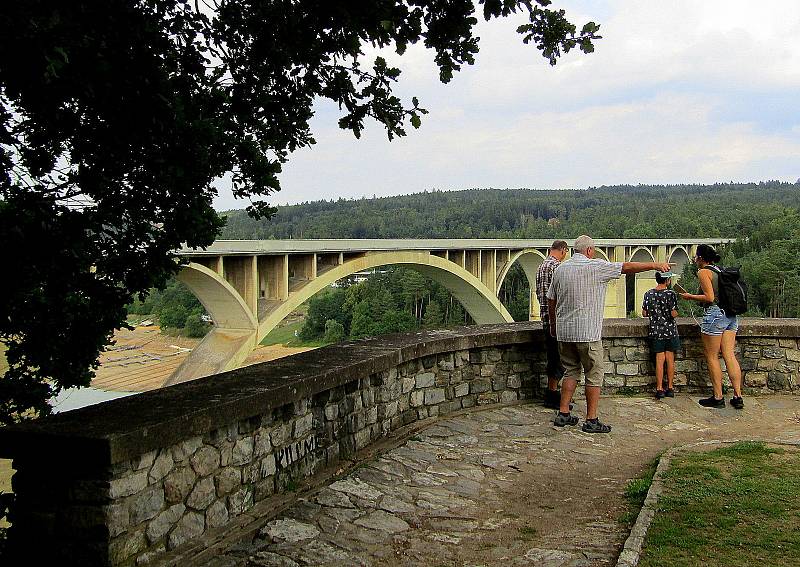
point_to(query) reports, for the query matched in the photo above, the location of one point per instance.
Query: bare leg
(734, 370)
(592, 401)
(659, 371)
(711, 345)
(552, 383)
(568, 386)
(670, 356)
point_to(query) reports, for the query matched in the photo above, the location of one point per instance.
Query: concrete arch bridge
(249, 286)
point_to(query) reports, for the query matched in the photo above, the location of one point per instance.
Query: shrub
(173, 316)
(195, 326)
(334, 331)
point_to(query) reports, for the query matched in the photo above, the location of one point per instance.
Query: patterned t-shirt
(659, 304)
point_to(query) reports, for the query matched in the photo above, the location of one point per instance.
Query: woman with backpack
(717, 328)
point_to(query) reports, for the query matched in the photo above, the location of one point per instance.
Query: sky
(677, 91)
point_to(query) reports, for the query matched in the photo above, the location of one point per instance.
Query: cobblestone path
(500, 486)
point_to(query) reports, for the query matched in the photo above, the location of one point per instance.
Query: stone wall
(767, 349)
(144, 479)
(123, 483)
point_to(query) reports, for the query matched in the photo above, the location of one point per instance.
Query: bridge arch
(219, 298)
(235, 336)
(600, 254)
(529, 260)
(638, 285)
(679, 256)
(642, 254)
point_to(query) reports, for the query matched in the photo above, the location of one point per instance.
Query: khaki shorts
(586, 355)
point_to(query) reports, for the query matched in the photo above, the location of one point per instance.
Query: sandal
(595, 426)
(562, 420)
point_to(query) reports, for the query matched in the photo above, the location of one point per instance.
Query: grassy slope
(739, 505)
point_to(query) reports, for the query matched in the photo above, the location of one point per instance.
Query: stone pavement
(499, 486)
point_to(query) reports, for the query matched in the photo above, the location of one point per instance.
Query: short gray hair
(583, 243)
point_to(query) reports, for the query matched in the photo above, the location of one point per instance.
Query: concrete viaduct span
(249, 286)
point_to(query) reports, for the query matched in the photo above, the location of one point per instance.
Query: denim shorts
(715, 322)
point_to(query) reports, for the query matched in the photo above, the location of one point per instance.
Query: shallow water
(74, 398)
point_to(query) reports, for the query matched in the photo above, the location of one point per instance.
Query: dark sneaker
(552, 399)
(562, 420)
(659, 394)
(595, 426)
(737, 402)
(669, 392)
(712, 402)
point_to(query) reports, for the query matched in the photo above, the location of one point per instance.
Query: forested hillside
(603, 212)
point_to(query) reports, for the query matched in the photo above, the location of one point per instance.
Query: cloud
(679, 91)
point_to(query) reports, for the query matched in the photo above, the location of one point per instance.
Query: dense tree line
(643, 211)
(393, 300)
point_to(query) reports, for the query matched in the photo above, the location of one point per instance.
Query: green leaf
(415, 121)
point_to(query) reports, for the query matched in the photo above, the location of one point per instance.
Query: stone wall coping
(121, 429)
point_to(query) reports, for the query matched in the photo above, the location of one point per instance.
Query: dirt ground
(568, 494)
(142, 359)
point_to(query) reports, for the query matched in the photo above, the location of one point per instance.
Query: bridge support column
(277, 270)
(535, 306)
(251, 287)
(615, 294)
(489, 269)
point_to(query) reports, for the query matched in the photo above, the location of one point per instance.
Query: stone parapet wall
(142, 504)
(767, 350)
(128, 481)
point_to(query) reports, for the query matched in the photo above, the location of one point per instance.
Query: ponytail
(708, 254)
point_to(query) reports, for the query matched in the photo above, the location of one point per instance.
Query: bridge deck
(355, 245)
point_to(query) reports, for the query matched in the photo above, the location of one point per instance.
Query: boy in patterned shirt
(661, 306)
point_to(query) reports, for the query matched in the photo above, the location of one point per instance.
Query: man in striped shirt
(544, 276)
(576, 300)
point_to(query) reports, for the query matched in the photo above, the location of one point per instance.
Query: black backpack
(732, 290)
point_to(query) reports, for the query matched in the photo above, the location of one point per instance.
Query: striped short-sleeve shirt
(579, 289)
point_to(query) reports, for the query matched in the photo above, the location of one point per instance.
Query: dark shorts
(554, 367)
(664, 345)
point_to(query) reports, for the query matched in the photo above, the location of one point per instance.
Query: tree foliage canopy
(117, 116)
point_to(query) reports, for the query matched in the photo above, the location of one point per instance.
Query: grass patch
(636, 492)
(737, 505)
(282, 335)
(285, 336)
